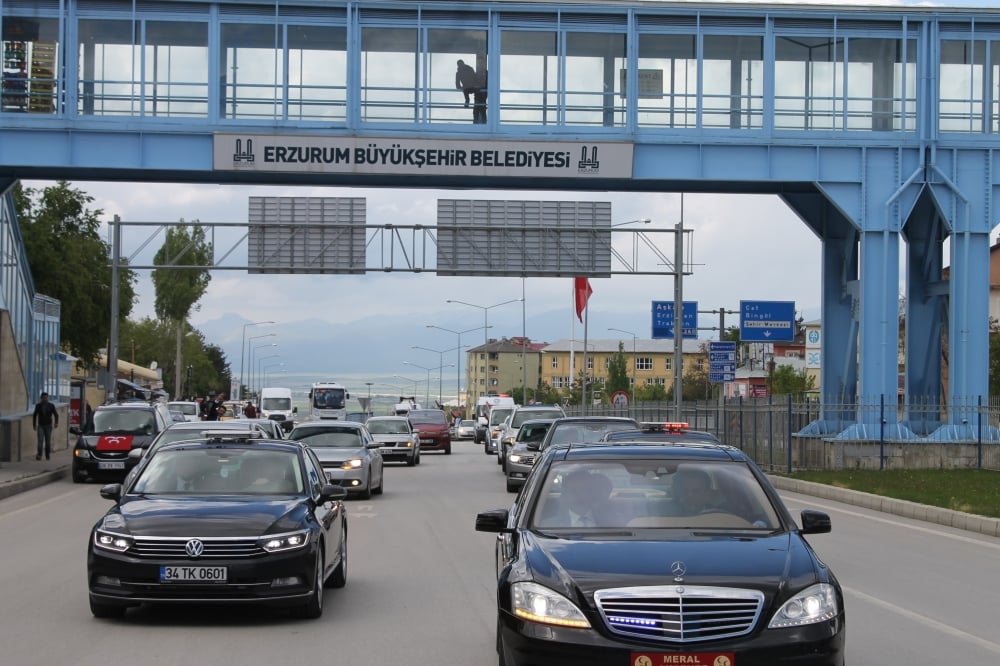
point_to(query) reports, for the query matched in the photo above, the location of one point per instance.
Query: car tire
(106, 611)
(339, 576)
(500, 457)
(313, 608)
(501, 657)
(511, 487)
(447, 450)
(367, 492)
(381, 484)
(412, 460)
(418, 458)
(77, 476)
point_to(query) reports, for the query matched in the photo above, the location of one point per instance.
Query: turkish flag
(582, 292)
(114, 443)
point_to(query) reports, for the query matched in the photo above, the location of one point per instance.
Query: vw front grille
(680, 613)
(215, 547)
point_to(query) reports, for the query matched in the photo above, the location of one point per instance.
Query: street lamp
(369, 407)
(415, 382)
(243, 346)
(259, 374)
(427, 396)
(251, 354)
(621, 330)
(458, 357)
(440, 353)
(486, 310)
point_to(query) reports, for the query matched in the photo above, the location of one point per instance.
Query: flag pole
(583, 392)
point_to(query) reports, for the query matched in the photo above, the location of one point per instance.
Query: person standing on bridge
(479, 94)
(465, 80)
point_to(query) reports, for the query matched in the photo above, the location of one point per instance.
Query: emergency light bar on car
(669, 426)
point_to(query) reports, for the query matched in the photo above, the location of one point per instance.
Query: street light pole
(440, 353)
(243, 350)
(458, 360)
(369, 408)
(250, 357)
(621, 330)
(486, 325)
(259, 373)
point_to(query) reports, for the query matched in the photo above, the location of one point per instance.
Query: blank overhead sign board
(306, 235)
(524, 238)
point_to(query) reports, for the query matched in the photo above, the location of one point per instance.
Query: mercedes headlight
(353, 463)
(277, 542)
(535, 603)
(817, 603)
(112, 541)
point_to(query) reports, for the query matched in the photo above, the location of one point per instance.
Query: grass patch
(970, 490)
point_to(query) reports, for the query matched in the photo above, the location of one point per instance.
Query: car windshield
(186, 408)
(427, 417)
(336, 438)
(221, 471)
(387, 427)
(498, 415)
(522, 415)
(467, 424)
(652, 493)
(123, 422)
(533, 432)
(585, 432)
(276, 404)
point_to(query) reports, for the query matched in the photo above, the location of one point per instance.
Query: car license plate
(426, 440)
(690, 658)
(193, 574)
(111, 465)
(388, 449)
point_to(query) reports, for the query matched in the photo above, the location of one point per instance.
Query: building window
(656, 381)
(643, 363)
(555, 361)
(701, 364)
(669, 363)
(590, 363)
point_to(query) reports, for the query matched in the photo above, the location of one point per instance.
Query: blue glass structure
(878, 126)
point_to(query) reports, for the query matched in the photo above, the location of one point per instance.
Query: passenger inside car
(582, 502)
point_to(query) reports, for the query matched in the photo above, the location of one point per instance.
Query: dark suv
(102, 454)
(432, 427)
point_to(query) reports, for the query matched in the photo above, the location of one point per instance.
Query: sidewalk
(17, 477)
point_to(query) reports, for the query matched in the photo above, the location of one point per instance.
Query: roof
(610, 346)
(693, 449)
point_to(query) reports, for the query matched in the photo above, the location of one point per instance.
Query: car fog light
(355, 482)
(108, 580)
(287, 581)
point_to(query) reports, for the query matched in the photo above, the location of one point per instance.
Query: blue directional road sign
(663, 320)
(721, 362)
(767, 321)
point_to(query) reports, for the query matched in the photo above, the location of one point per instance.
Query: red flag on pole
(582, 292)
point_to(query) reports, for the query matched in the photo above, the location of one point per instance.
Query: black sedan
(660, 553)
(220, 520)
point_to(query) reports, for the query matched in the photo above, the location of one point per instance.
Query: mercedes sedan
(660, 553)
(222, 520)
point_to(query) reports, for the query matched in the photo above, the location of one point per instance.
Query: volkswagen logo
(194, 548)
(678, 569)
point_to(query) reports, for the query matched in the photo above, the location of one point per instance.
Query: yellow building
(648, 361)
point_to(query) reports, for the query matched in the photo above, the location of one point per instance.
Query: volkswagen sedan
(348, 453)
(220, 521)
(660, 553)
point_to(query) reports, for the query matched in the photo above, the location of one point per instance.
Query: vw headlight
(112, 541)
(536, 603)
(289, 541)
(817, 603)
(353, 463)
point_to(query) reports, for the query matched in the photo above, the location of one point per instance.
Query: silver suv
(509, 428)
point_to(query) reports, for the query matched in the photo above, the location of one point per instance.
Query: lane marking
(37, 505)
(984, 540)
(928, 622)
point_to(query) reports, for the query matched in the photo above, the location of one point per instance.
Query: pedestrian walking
(43, 421)
(250, 411)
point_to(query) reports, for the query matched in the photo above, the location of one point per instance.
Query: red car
(432, 427)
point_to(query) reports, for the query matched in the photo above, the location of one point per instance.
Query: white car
(190, 410)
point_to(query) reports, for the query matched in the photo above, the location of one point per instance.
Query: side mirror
(373, 445)
(136, 454)
(295, 410)
(332, 493)
(492, 521)
(112, 491)
(533, 446)
(815, 522)
(74, 430)
(347, 396)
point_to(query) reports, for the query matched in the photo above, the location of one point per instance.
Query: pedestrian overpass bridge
(878, 126)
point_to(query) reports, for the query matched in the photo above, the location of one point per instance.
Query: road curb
(30, 482)
(931, 514)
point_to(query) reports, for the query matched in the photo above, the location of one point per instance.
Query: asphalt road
(420, 585)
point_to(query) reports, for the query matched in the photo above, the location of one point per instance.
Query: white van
(484, 406)
(276, 404)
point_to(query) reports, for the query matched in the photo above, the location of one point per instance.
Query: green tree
(651, 393)
(618, 372)
(786, 380)
(69, 262)
(151, 340)
(178, 288)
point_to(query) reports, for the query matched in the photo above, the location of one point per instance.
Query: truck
(276, 404)
(405, 405)
(328, 400)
